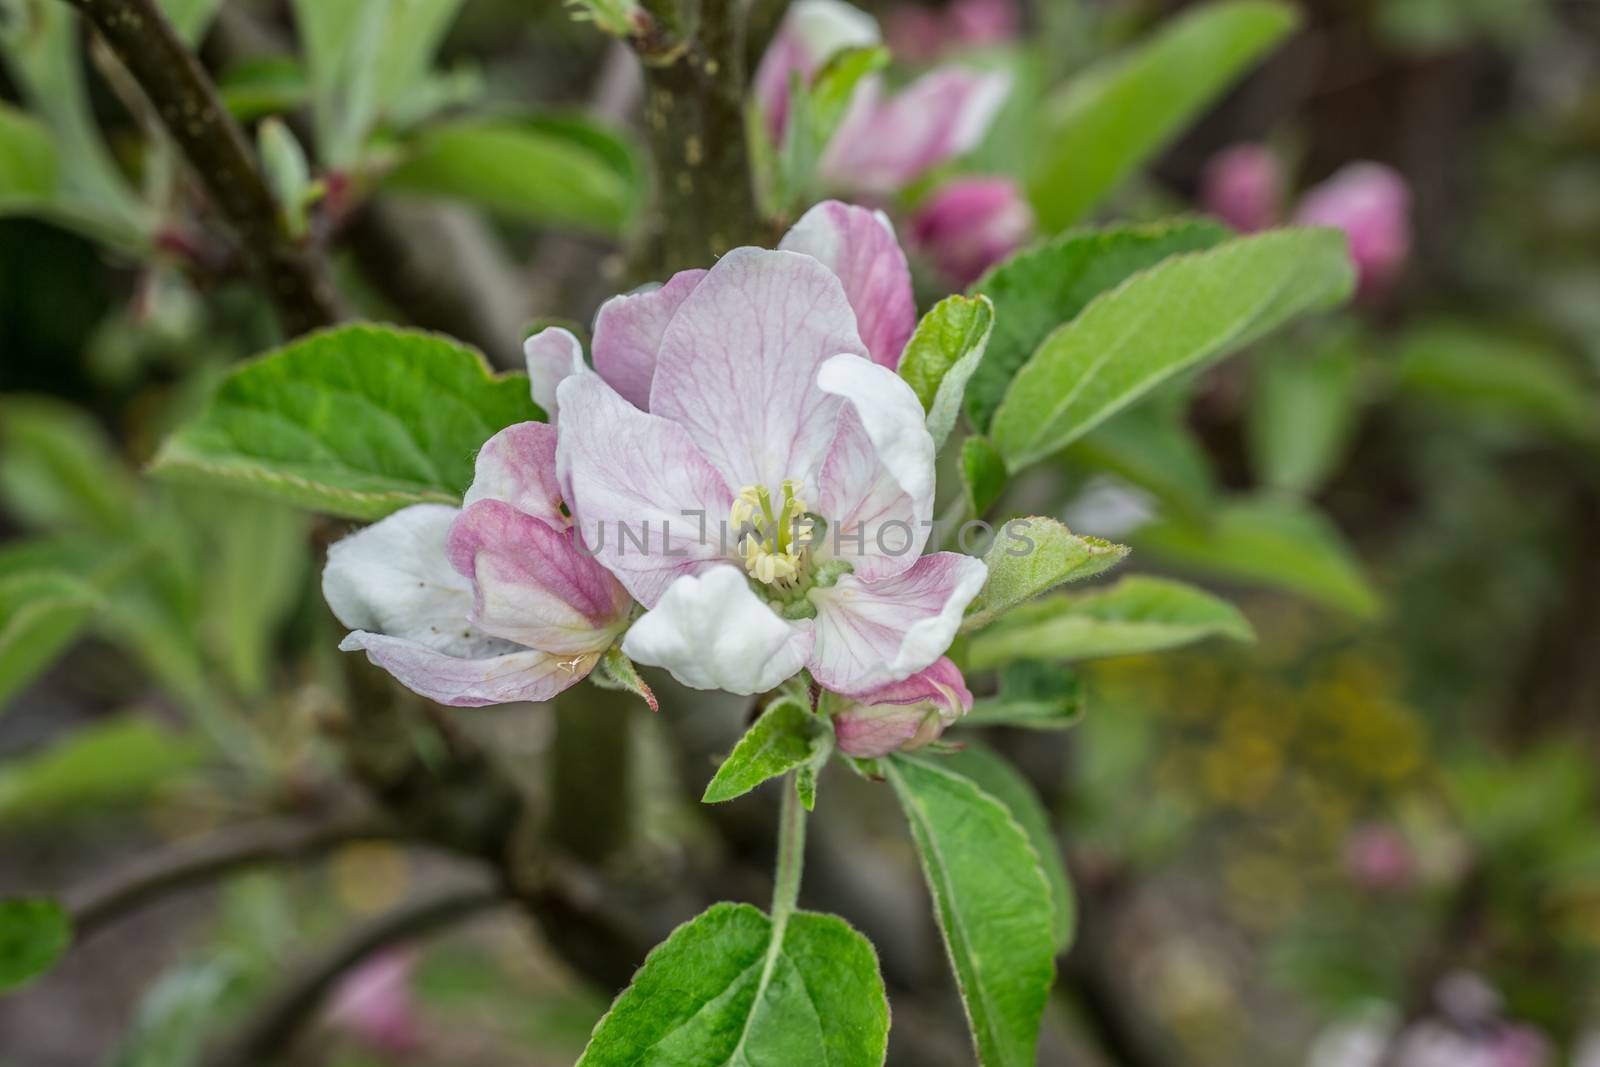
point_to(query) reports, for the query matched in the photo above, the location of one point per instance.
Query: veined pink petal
(884, 145)
(870, 634)
(643, 498)
(711, 632)
(739, 361)
(877, 484)
(811, 33)
(518, 465)
(497, 677)
(971, 224)
(533, 585)
(552, 355)
(627, 335)
(859, 246)
(903, 715)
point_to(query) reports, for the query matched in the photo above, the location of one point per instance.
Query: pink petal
(859, 246)
(552, 355)
(876, 486)
(884, 145)
(533, 585)
(712, 632)
(970, 225)
(870, 634)
(739, 361)
(627, 335)
(635, 480)
(903, 715)
(1243, 186)
(518, 465)
(1371, 203)
(498, 677)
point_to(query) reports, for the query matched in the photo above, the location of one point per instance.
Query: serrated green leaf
(103, 766)
(41, 612)
(985, 768)
(1034, 696)
(1138, 614)
(563, 171)
(695, 1002)
(786, 736)
(29, 165)
(942, 355)
(993, 901)
(983, 475)
(1105, 123)
(357, 421)
(1042, 287)
(1032, 556)
(1180, 315)
(616, 671)
(1276, 542)
(1302, 414)
(34, 933)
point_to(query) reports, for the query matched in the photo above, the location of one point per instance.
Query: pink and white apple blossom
(903, 715)
(886, 140)
(744, 459)
(490, 603)
(969, 225)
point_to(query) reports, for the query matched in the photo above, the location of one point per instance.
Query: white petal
(553, 354)
(892, 417)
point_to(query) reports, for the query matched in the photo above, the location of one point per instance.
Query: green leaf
(545, 170)
(59, 469)
(1034, 696)
(616, 17)
(288, 173)
(786, 736)
(983, 475)
(695, 1001)
(191, 18)
(1303, 414)
(616, 671)
(1182, 314)
(789, 170)
(357, 421)
(41, 613)
(942, 355)
(1276, 542)
(29, 165)
(1136, 615)
(993, 901)
(986, 769)
(1151, 447)
(265, 85)
(1112, 118)
(34, 934)
(1032, 556)
(1042, 287)
(109, 764)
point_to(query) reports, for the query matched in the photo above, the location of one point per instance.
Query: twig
(283, 1014)
(183, 95)
(187, 865)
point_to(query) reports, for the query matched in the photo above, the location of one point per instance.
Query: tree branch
(183, 95)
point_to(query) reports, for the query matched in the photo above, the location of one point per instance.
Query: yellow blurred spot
(370, 876)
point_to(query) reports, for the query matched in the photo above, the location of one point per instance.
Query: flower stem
(791, 856)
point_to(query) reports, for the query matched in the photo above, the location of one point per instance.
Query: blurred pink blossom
(376, 1005)
(1378, 857)
(1243, 186)
(1371, 203)
(921, 34)
(971, 224)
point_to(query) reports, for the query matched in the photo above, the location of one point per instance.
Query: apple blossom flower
(970, 225)
(1371, 203)
(921, 34)
(885, 140)
(487, 604)
(376, 1005)
(1243, 186)
(745, 461)
(903, 715)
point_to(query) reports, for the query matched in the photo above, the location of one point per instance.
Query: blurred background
(1371, 837)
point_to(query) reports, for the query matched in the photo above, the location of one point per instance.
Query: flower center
(773, 544)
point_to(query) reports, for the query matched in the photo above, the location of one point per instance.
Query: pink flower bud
(375, 1004)
(1372, 205)
(1243, 186)
(903, 715)
(970, 225)
(1378, 857)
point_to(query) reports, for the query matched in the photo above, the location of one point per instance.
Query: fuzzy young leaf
(983, 475)
(1032, 556)
(1138, 614)
(1034, 696)
(547, 170)
(357, 421)
(993, 902)
(985, 768)
(41, 612)
(1042, 287)
(786, 736)
(720, 993)
(33, 935)
(616, 671)
(942, 355)
(1113, 117)
(1188, 311)
(1275, 542)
